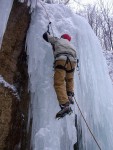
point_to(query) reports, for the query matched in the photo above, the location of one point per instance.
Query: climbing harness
(77, 64)
(67, 60)
(48, 18)
(63, 67)
(64, 53)
(87, 125)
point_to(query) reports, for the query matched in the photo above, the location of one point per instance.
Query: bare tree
(108, 30)
(99, 17)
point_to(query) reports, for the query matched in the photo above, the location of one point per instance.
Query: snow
(31, 3)
(93, 87)
(109, 59)
(7, 85)
(5, 8)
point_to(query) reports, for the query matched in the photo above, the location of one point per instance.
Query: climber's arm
(48, 38)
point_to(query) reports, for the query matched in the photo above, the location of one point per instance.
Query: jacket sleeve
(49, 38)
(52, 39)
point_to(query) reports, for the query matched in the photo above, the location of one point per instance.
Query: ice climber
(64, 66)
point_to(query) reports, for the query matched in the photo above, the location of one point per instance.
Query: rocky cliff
(13, 69)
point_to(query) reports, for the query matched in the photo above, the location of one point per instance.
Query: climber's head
(66, 36)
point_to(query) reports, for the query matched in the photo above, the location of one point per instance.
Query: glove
(45, 37)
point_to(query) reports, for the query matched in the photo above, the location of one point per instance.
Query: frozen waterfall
(93, 87)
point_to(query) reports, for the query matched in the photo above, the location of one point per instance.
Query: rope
(88, 125)
(74, 97)
(47, 17)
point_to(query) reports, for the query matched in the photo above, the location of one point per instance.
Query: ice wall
(47, 132)
(93, 87)
(5, 8)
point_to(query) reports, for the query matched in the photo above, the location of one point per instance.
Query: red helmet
(66, 36)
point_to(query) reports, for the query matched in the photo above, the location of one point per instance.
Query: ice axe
(48, 27)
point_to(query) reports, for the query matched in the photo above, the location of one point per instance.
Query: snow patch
(7, 85)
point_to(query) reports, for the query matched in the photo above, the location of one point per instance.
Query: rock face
(13, 68)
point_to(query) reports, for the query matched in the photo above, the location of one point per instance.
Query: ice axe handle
(48, 27)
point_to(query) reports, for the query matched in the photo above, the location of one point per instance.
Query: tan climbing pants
(63, 80)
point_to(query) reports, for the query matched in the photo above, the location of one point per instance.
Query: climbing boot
(65, 109)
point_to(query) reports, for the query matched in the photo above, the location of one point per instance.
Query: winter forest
(35, 37)
(99, 16)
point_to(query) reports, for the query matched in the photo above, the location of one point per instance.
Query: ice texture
(93, 87)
